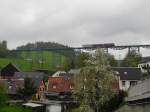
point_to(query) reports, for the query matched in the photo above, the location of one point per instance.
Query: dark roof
(22, 75)
(145, 59)
(42, 70)
(37, 82)
(65, 74)
(128, 73)
(35, 76)
(9, 70)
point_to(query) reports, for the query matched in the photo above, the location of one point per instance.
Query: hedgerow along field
(31, 60)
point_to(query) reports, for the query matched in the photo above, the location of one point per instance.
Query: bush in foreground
(13, 109)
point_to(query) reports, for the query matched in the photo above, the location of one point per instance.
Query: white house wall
(127, 84)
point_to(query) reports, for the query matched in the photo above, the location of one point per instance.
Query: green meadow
(31, 60)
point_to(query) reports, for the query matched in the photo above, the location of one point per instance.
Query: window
(54, 86)
(125, 73)
(41, 89)
(116, 72)
(132, 83)
(10, 87)
(123, 83)
(71, 86)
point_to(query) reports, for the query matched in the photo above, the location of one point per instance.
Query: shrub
(115, 102)
(13, 109)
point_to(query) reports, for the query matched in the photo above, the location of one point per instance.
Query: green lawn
(13, 109)
(28, 61)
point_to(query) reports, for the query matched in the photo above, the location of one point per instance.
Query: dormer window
(116, 72)
(125, 73)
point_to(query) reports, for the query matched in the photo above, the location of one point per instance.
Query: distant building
(114, 84)
(57, 74)
(8, 71)
(59, 85)
(37, 77)
(40, 91)
(11, 86)
(45, 71)
(22, 75)
(128, 76)
(145, 64)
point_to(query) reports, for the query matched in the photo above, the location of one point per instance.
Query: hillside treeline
(5, 52)
(49, 45)
(41, 45)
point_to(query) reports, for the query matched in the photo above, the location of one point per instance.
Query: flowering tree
(93, 84)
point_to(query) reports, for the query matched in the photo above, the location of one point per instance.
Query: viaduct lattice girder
(94, 46)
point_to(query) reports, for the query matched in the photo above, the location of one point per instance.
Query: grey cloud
(75, 22)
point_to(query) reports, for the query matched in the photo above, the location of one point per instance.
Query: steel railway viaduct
(106, 47)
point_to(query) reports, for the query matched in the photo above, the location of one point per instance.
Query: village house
(8, 71)
(114, 84)
(37, 77)
(59, 87)
(39, 95)
(60, 84)
(144, 65)
(11, 86)
(32, 75)
(59, 73)
(13, 79)
(128, 76)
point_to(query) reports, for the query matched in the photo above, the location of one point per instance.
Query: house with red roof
(59, 85)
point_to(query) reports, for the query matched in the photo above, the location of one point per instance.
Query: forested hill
(41, 45)
(48, 45)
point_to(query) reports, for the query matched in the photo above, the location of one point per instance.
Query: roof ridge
(124, 67)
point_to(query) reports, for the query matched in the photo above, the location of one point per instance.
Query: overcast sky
(75, 22)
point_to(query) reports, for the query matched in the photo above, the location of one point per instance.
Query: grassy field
(28, 61)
